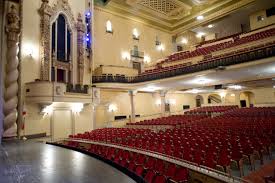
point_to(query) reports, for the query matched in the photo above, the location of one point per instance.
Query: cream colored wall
(191, 37)
(108, 47)
(37, 123)
(30, 66)
(255, 24)
(84, 120)
(180, 100)
(34, 121)
(145, 105)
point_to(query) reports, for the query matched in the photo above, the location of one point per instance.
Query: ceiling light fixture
(235, 87)
(210, 26)
(200, 17)
(200, 34)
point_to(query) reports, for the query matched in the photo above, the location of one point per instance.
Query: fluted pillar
(12, 73)
(132, 102)
(162, 105)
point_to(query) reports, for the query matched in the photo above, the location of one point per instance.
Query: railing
(77, 88)
(189, 165)
(256, 53)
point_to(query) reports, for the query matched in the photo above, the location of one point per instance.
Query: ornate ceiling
(173, 16)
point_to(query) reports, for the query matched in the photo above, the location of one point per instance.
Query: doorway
(61, 124)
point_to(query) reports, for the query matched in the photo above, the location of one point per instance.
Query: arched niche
(214, 99)
(247, 99)
(199, 100)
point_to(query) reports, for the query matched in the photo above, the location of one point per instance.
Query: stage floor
(36, 162)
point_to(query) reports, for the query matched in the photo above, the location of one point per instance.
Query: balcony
(48, 92)
(252, 54)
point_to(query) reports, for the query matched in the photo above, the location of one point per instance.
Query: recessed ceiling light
(200, 17)
(210, 26)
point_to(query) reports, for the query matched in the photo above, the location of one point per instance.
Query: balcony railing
(70, 88)
(255, 53)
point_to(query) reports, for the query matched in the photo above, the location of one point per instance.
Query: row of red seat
(213, 142)
(212, 109)
(170, 120)
(152, 170)
(204, 50)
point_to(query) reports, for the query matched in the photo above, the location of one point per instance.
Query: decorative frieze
(80, 27)
(45, 50)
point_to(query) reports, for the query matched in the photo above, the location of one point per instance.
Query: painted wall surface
(37, 123)
(255, 23)
(109, 47)
(145, 104)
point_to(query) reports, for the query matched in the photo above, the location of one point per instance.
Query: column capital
(163, 93)
(132, 92)
(12, 26)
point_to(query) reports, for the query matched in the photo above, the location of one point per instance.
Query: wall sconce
(222, 94)
(77, 107)
(200, 34)
(135, 34)
(47, 110)
(112, 108)
(160, 47)
(125, 55)
(157, 41)
(158, 102)
(28, 50)
(147, 59)
(184, 41)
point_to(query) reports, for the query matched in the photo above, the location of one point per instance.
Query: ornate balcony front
(48, 92)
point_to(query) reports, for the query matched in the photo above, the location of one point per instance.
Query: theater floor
(35, 162)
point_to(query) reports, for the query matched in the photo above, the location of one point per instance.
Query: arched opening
(61, 37)
(199, 100)
(214, 99)
(230, 98)
(247, 99)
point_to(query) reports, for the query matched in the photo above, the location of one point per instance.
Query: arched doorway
(214, 99)
(199, 100)
(247, 99)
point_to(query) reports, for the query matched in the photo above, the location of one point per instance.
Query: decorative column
(80, 27)
(12, 73)
(237, 99)
(162, 99)
(133, 111)
(45, 12)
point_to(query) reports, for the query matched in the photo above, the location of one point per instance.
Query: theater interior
(146, 91)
